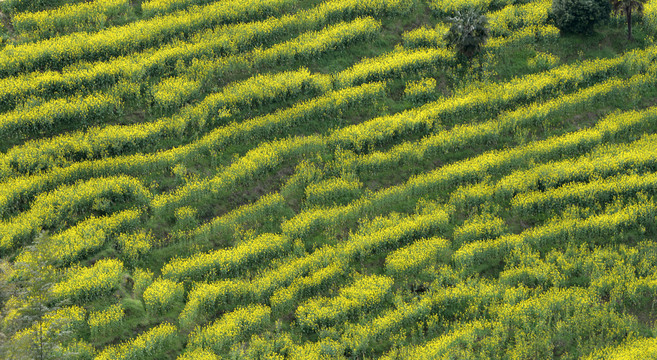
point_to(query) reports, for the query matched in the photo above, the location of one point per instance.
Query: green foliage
(468, 32)
(280, 190)
(579, 16)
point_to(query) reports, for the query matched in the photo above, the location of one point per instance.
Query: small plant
(543, 61)
(143, 279)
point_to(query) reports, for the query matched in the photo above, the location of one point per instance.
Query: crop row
(118, 139)
(291, 279)
(374, 131)
(50, 115)
(86, 237)
(448, 303)
(512, 328)
(557, 233)
(467, 135)
(230, 39)
(152, 343)
(116, 41)
(66, 204)
(227, 262)
(476, 168)
(364, 294)
(586, 194)
(110, 140)
(87, 16)
(306, 46)
(84, 284)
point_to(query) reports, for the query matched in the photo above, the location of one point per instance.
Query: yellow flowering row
(447, 303)
(584, 194)
(501, 161)
(606, 161)
(363, 295)
(265, 207)
(394, 64)
(638, 348)
(118, 139)
(532, 325)
(17, 6)
(152, 8)
(83, 284)
(284, 299)
(227, 262)
(595, 228)
(489, 99)
(309, 44)
(229, 39)
(426, 37)
(86, 237)
(116, 41)
(450, 7)
(162, 295)
(107, 320)
(293, 279)
(333, 191)
(478, 228)
(393, 235)
(412, 258)
(452, 344)
(496, 161)
(420, 92)
(149, 345)
(269, 154)
(198, 354)
(40, 119)
(87, 16)
(134, 245)
(510, 19)
(234, 326)
(524, 36)
(67, 204)
(205, 299)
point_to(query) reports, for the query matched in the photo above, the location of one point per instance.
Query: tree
(468, 32)
(626, 7)
(25, 294)
(579, 16)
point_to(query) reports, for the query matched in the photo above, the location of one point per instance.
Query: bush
(579, 16)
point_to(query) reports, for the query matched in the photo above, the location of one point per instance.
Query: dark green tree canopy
(579, 16)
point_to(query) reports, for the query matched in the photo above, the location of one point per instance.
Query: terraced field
(324, 179)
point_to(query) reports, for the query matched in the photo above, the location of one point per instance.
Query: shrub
(579, 16)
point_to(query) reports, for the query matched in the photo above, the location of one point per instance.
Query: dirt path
(6, 22)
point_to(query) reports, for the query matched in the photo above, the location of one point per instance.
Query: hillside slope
(323, 179)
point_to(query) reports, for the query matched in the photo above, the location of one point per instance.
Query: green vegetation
(328, 179)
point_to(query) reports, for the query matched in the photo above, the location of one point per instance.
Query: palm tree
(626, 7)
(468, 33)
